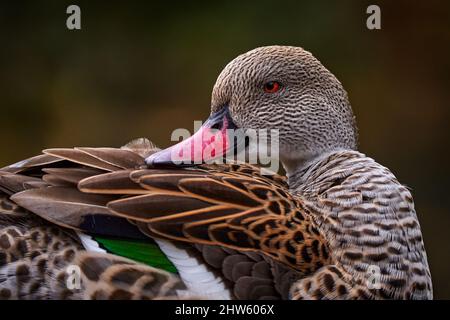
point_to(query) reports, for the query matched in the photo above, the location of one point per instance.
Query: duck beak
(211, 142)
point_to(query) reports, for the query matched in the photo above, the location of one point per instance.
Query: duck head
(279, 88)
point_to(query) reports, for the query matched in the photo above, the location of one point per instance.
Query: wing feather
(228, 206)
(13, 183)
(80, 157)
(71, 175)
(154, 205)
(117, 182)
(231, 206)
(34, 162)
(62, 205)
(46, 185)
(121, 158)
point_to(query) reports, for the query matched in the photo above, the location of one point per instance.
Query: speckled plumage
(368, 219)
(231, 232)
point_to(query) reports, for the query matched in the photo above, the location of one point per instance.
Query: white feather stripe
(189, 262)
(199, 280)
(90, 244)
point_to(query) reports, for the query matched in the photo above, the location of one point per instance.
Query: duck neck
(299, 170)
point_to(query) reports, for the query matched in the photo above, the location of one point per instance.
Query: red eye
(272, 87)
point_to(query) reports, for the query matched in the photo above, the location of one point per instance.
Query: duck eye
(272, 86)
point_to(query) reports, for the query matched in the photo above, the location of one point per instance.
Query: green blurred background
(144, 68)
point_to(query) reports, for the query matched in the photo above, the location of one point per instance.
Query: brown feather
(154, 205)
(37, 161)
(71, 175)
(62, 206)
(117, 182)
(16, 182)
(81, 157)
(217, 192)
(175, 226)
(120, 158)
(166, 181)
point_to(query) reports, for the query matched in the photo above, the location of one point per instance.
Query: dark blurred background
(144, 68)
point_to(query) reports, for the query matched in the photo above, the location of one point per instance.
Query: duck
(133, 223)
